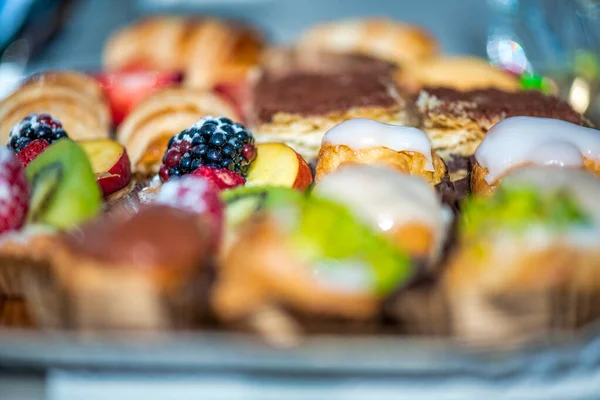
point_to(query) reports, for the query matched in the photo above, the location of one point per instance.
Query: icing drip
(362, 133)
(543, 141)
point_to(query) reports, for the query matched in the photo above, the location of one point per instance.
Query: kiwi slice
(64, 187)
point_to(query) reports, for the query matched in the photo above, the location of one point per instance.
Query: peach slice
(110, 163)
(277, 164)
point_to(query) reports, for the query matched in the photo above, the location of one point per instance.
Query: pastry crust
(147, 129)
(332, 157)
(74, 99)
(457, 72)
(208, 51)
(377, 37)
(261, 269)
(480, 186)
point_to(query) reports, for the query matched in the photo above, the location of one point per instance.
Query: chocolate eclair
(297, 107)
(140, 272)
(457, 121)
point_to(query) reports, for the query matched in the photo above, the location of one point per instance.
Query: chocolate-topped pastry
(125, 273)
(456, 122)
(298, 103)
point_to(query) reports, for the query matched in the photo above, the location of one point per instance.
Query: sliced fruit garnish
(221, 178)
(76, 197)
(31, 151)
(110, 163)
(277, 164)
(44, 186)
(125, 90)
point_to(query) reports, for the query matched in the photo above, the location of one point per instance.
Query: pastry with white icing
(364, 141)
(404, 208)
(520, 141)
(528, 257)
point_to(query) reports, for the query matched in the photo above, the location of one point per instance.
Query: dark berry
(228, 150)
(210, 122)
(174, 171)
(34, 127)
(208, 129)
(199, 139)
(213, 154)
(242, 135)
(226, 121)
(172, 158)
(181, 135)
(163, 173)
(198, 151)
(185, 162)
(228, 130)
(227, 164)
(217, 139)
(249, 152)
(171, 141)
(195, 164)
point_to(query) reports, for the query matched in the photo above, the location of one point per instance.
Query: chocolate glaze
(492, 104)
(156, 236)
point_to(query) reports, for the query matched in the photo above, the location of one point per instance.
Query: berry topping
(217, 143)
(31, 151)
(14, 192)
(33, 127)
(193, 194)
(221, 178)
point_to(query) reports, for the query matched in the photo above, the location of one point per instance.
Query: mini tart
(208, 51)
(22, 250)
(146, 131)
(262, 268)
(140, 273)
(377, 37)
(456, 72)
(332, 157)
(73, 98)
(480, 186)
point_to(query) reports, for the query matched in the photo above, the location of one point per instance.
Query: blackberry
(211, 142)
(35, 126)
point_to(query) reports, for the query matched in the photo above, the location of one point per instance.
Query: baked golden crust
(73, 98)
(147, 129)
(499, 295)
(377, 37)
(261, 270)
(331, 157)
(480, 186)
(457, 72)
(208, 51)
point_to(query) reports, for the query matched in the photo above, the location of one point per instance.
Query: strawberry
(194, 194)
(125, 90)
(14, 192)
(31, 151)
(221, 178)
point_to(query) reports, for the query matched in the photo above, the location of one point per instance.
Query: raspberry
(212, 142)
(31, 151)
(221, 178)
(194, 194)
(33, 127)
(14, 192)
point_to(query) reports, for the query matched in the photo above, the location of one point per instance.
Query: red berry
(249, 152)
(221, 178)
(196, 195)
(163, 173)
(172, 158)
(184, 146)
(14, 192)
(48, 120)
(31, 151)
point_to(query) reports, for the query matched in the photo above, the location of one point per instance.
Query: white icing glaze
(584, 187)
(383, 198)
(352, 276)
(544, 141)
(363, 133)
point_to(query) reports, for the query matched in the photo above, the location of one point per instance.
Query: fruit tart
(71, 97)
(145, 133)
(57, 190)
(520, 141)
(365, 141)
(140, 272)
(310, 256)
(528, 257)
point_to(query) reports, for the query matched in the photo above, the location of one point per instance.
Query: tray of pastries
(216, 197)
